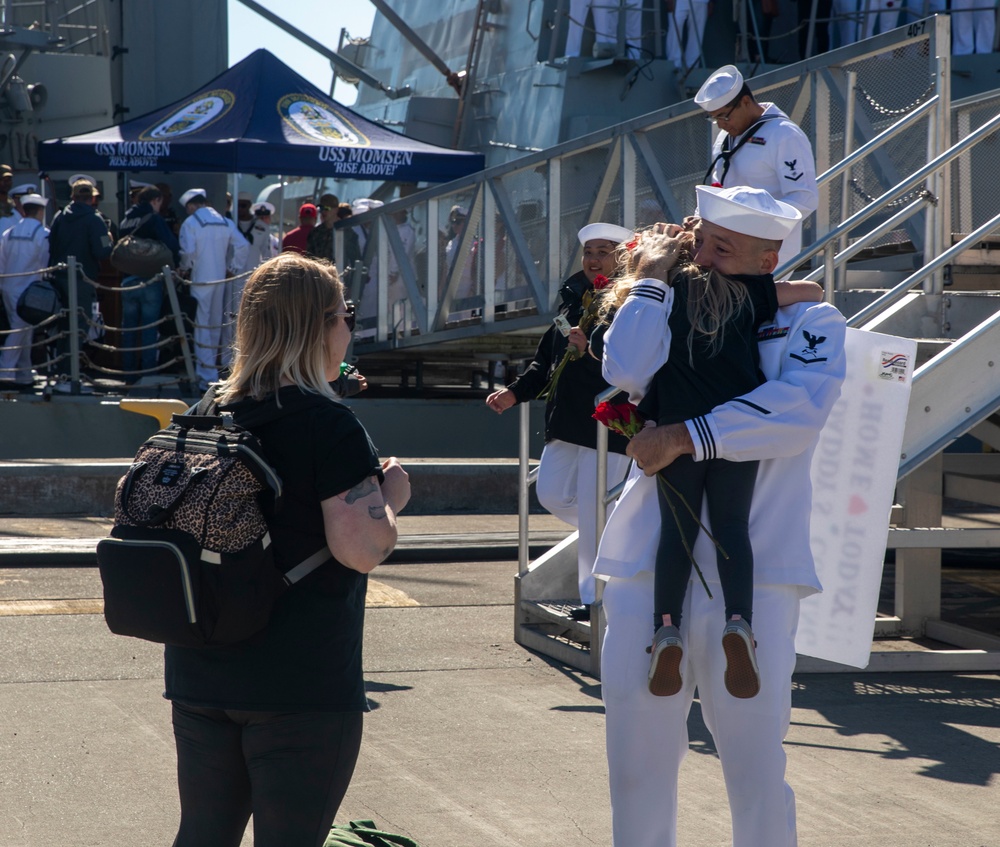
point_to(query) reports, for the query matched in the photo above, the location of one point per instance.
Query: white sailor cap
(191, 193)
(750, 211)
(135, 185)
(33, 199)
(720, 88)
(25, 188)
(604, 232)
(262, 208)
(244, 196)
(73, 180)
(365, 204)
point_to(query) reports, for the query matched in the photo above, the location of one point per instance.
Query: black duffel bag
(143, 257)
(38, 302)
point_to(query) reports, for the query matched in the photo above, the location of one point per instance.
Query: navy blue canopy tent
(258, 117)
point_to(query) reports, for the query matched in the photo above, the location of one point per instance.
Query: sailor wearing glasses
(760, 146)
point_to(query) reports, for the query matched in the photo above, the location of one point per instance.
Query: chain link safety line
(905, 200)
(884, 110)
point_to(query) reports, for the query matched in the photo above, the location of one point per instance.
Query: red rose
(601, 281)
(623, 418)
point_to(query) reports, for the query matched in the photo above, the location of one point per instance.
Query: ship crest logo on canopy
(314, 119)
(194, 115)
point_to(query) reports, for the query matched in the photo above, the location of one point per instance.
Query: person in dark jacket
(78, 231)
(142, 304)
(567, 473)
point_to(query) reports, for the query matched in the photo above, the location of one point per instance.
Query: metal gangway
(903, 241)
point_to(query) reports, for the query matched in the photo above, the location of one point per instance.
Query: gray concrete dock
(472, 740)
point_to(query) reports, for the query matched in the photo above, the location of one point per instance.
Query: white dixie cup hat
(750, 211)
(604, 232)
(720, 89)
(191, 193)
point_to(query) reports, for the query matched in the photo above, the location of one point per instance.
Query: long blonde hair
(281, 329)
(713, 299)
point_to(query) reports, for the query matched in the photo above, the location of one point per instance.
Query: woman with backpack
(271, 727)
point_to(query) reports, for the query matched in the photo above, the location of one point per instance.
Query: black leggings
(728, 489)
(289, 769)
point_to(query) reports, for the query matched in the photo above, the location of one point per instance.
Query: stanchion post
(74, 324)
(175, 308)
(524, 415)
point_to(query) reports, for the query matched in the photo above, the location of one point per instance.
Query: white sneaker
(64, 385)
(664, 678)
(742, 673)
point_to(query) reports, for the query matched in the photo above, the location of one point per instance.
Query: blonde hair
(713, 301)
(615, 294)
(281, 329)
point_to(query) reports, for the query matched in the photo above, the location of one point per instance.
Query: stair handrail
(980, 405)
(896, 293)
(886, 135)
(892, 194)
(826, 270)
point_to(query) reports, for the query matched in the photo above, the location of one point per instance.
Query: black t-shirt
(309, 655)
(695, 380)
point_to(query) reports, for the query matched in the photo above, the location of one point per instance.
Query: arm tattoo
(361, 490)
(377, 513)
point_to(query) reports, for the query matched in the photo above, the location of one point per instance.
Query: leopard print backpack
(189, 560)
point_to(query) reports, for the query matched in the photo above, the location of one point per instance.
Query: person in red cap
(296, 240)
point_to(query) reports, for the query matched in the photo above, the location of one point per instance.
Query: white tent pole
(281, 207)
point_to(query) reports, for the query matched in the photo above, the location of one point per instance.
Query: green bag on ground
(364, 834)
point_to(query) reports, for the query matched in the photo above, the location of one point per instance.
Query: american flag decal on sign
(894, 366)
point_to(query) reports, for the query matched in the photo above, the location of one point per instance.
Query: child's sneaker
(665, 664)
(742, 674)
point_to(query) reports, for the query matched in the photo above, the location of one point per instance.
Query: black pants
(728, 490)
(290, 770)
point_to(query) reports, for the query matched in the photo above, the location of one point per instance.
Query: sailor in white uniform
(760, 146)
(24, 250)
(211, 248)
(802, 355)
(605, 15)
(257, 233)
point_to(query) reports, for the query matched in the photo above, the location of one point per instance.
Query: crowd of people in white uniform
(213, 252)
(838, 23)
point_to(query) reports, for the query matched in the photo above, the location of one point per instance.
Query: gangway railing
(827, 242)
(498, 273)
(532, 612)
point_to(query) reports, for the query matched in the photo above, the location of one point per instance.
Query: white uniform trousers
(694, 13)
(647, 736)
(844, 26)
(15, 357)
(885, 13)
(208, 332)
(972, 31)
(567, 487)
(605, 14)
